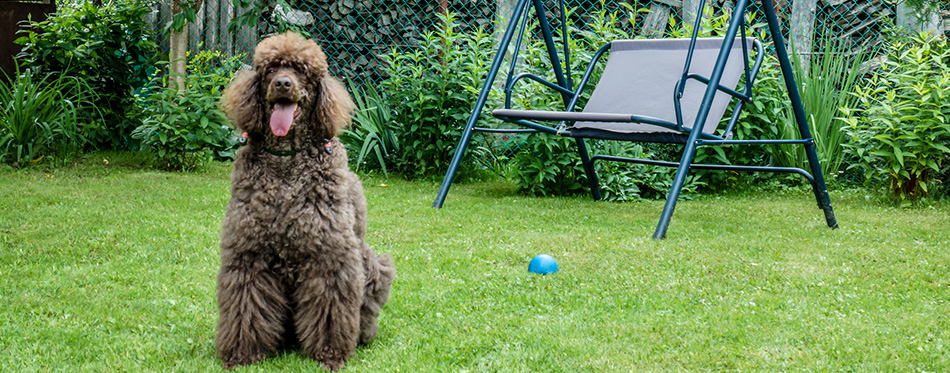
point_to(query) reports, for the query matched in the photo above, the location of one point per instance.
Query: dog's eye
(271, 71)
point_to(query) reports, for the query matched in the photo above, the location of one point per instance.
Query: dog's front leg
(328, 311)
(251, 308)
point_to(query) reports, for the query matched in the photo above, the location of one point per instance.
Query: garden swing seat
(651, 90)
(642, 96)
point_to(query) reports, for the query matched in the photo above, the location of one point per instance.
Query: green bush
(185, 130)
(39, 116)
(111, 48)
(620, 181)
(431, 91)
(548, 165)
(211, 70)
(900, 132)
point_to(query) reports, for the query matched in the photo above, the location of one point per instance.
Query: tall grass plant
(372, 131)
(40, 116)
(826, 83)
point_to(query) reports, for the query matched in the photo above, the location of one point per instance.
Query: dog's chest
(306, 208)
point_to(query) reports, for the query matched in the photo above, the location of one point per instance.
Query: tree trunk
(179, 51)
(178, 43)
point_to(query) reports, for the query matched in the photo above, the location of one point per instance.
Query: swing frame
(693, 138)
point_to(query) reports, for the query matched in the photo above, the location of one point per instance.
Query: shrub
(548, 165)
(111, 48)
(40, 116)
(622, 181)
(900, 132)
(431, 90)
(185, 130)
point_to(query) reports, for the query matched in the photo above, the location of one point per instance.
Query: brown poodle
(295, 268)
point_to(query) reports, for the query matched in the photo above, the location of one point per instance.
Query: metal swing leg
(819, 187)
(479, 105)
(689, 151)
(592, 180)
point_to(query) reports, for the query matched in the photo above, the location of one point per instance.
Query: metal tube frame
(695, 139)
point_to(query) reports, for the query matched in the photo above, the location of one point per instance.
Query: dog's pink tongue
(281, 118)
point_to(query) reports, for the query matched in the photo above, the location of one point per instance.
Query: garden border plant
(185, 129)
(901, 130)
(40, 116)
(372, 130)
(430, 91)
(110, 47)
(826, 87)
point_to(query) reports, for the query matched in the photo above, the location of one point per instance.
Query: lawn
(105, 266)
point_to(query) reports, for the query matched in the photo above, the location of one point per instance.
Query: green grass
(112, 268)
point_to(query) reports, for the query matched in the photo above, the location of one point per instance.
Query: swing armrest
(575, 95)
(544, 82)
(746, 96)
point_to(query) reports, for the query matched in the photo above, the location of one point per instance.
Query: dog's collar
(327, 146)
(283, 153)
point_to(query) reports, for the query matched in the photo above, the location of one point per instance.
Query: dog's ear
(334, 105)
(241, 102)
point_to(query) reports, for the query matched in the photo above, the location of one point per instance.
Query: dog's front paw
(331, 361)
(239, 360)
(333, 365)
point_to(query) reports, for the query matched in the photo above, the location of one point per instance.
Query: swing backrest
(641, 76)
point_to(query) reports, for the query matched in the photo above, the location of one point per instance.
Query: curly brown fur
(295, 267)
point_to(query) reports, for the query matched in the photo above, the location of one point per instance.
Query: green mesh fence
(357, 34)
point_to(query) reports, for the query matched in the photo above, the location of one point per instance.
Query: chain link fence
(357, 34)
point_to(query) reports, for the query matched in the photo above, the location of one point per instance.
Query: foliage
(372, 130)
(431, 91)
(825, 88)
(253, 12)
(901, 131)
(548, 165)
(184, 130)
(40, 116)
(111, 48)
(925, 7)
(211, 70)
(621, 181)
(187, 13)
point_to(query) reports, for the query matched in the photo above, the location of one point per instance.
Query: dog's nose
(283, 83)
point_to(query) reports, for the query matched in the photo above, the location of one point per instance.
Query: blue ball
(542, 264)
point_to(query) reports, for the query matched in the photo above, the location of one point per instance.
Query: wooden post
(690, 10)
(654, 24)
(907, 17)
(803, 29)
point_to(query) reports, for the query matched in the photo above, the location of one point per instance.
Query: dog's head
(289, 88)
